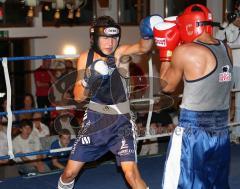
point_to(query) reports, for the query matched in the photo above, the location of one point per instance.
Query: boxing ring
(150, 167)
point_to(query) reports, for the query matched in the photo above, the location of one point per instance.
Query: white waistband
(114, 109)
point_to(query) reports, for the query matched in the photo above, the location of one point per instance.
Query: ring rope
(41, 152)
(45, 57)
(151, 100)
(53, 108)
(9, 111)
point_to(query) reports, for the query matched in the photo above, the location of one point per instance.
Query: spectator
(64, 83)
(43, 80)
(4, 119)
(69, 67)
(56, 93)
(65, 121)
(164, 121)
(4, 109)
(28, 104)
(25, 142)
(7, 167)
(3, 142)
(59, 159)
(39, 128)
(231, 34)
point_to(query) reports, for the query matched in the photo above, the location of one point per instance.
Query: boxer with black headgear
(105, 27)
(107, 124)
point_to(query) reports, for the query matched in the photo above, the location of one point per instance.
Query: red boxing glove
(166, 37)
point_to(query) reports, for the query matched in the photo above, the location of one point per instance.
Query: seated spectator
(4, 119)
(3, 142)
(25, 142)
(59, 159)
(161, 123)
(65, 121)
(39, 128)
(4, 109)
(164, 121)
(28, 104)
(7, 167)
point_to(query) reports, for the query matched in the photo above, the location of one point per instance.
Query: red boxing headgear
(194, 21)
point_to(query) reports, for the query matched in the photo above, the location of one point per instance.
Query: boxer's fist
(147, 24)
(167, 38)
(95, 74)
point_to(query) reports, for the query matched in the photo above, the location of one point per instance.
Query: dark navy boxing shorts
(102, 133)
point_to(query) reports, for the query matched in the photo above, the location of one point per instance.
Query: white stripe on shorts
(172, 164)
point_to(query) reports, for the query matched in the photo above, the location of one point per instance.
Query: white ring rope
(67, 56)
(151, 100)
(9, 111)
(60, 150)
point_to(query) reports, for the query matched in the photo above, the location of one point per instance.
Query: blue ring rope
(30, 58)
(41, 152)
(44, 57)
(16, 112)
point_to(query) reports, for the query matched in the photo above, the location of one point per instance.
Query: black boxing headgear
(103, 26)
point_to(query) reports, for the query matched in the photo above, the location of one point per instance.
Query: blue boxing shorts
(198, 155)
(102, 133)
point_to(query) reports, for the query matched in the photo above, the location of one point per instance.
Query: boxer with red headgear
(199, 151)
(194, 21)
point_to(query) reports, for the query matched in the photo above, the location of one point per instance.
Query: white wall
(216, 7)
(157, 7)
(111, 10)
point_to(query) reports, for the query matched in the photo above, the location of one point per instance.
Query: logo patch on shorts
(225, 75)
(86, 140)
(124, 149)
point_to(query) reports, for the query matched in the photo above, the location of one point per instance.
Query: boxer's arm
(172, 73)
(80, 93)
(145, 43)
(123, 55)
(141, 47)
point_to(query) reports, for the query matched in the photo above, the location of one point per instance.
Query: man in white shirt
(7, 167)
(25, 142)
(3, 142)
(64, 121)
(231, 34)
(39, 129)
